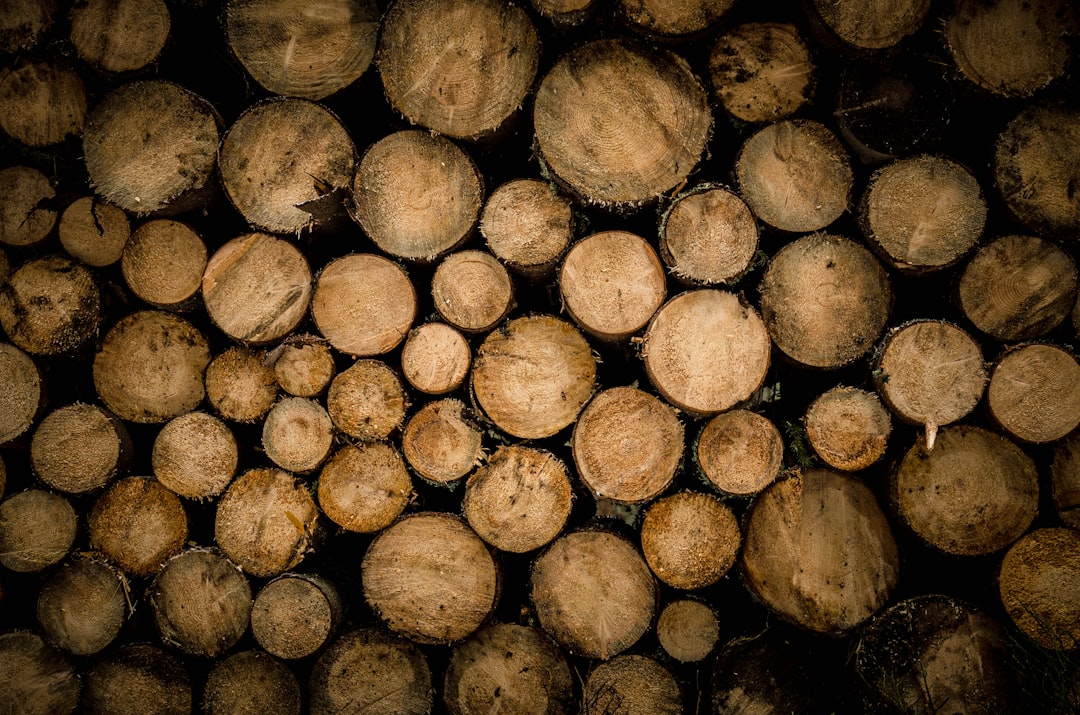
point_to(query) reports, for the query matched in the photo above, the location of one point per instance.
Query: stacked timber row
(472, 356)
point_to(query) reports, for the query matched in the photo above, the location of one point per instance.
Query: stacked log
(465, 356)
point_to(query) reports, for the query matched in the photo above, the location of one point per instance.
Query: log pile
(598, 356)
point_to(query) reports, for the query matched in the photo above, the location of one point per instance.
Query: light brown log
(151, 145)
(297, 434)
(35, 678)
(371, 672)
(528, 225)
(367, 400)
(975, 493)
(472, 290)
(533, 376)
(1065, 480)
(37, 529)
(442, 443)
(460, 69)
(295, 615)
(251, 682)
(201, 603)
(304, 366)
(819, 551)
(872, 25)
(82, 606)
(50, 305)
(631, 684)
(520, 499)
(762, 71)
(138, 524)
(1039, 585)
(435, 358)
(41, 103)
(79, 448)
(706, 351)
(627, 445)
(20, 392)
(22, 24)
(134, 676)
(1034, 392)
(257, 287)
(825, 299)
(285, 164)
(195, 455)
(240, 386)
(646, 107)
(163, 264)
(93, 232)
(364, 488)
(296, 49)
(848, 428)
(593, 593)
(363, 304)
(708, 236)
(416, 195)
(26, 216)
(673, 18)
(687, 630)
(611, 283)
(120, 35)
(740, 452)
(1018, 287)
(265, 522)
(690, 539)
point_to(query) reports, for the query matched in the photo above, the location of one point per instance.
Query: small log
(519, 500)
(50, 305)
(706, 332)
(41, 103)
(442, 443)
(1039, 585)
(460, 69)
(1018, 287)
(648, 106)
(975, 493)
(873, 25)
(627, 445)
(416, 195)
(819, 551)
(677, 20)
(508, 667)
(20, 392)
(285, 165)
(922, 214)
(256, 288)
(611, 283)
(430, 577)
(825, 299)
(367, 401)
(151, 145)
(528, 225)
(37, 529)
(163, 264)
(533, 376)
(195, 455)
(26, 214)
(22, 24)
(762, 71)
(740, 452)
(240, 386)
(593, 593)
(708, 236)
(690, 539)
(297, 434)
(435, 358)
(79, 448)
(135, 676)
(265, 522)
(1065, 480)
(82, 606)
(1034, 393)
(93, 232)
(363, 304)
(794, 175)
(120, 35)
(631, 684)
(295, 615)
(138, 524)
(35, 678)
(201, 603)
(364, 488)
(251, 682)
(848, 428)
(370, 672)
(687, 630)
(304, 367)
(293, 49)
(472, 290)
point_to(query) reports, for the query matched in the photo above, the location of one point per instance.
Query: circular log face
(23, 23)
(37, 529)
(384, 673)
(528, 225)
(441, 442)
(872, 25)
(50, 305)
(761, 71)
(163, 263)
(367, 401)
(690, 539)
(41, 103)
(94, 232)
(26, 217)
(363, 488)
(134, 675)
(621, 124)
(195, 455)
(740, 452)
(78, 448)
(139, 524)
(82, 606)
(35, 678)
(436, 358)
(472, 290)
(20, 392)
(120, 35)
(1034, 393)
(637, 683)
(251, 681)
(294, 616)
(1065, 479)
(1039, 585)
(674, 17)
(848, 428)
(687, 630)
(709, 236)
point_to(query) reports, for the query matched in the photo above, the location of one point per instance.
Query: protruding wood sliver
(35, 677)
(631, 684)
(762, 71)
(472, 290)
(740, 452)
(1039, 585)
(435, 358)
(41, 103)
(20, 392)
(240, 386)
(528, 225)
(364, 488)
(688, 630)
(93, 232)
(367, 401)
(673, 19)
(848, 428)
(295, 615)
(163, 263)
(1065, 479)
(138, 524)
(50, 305)
(872, 25)
(690, 539)
(37, 530)
(195, 455)
(251, 681)
(120, 35)
(128, 678)
(708, 236)
(297, 434)
(26, 214)
(82, 606)
(78, 448)
(1034, 392)
(442, 442)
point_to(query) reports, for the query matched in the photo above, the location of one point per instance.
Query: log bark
(631, 684)
(1038, 584)
(41, 103)
(688, 630)
(50, 306)
(195, 455)
(295, 615)
(138, 524)
(1034, 393)
(251, 682)
(364, 488)
(435, 358)
(37, 530)
(26, 216)
(528, 225)
(93, 232)
(136, 676)
(80, 448)
(848, 428)
(740, 452)
(367, 401)
(240, 386)
(442, 442)
(708, 236)
(163, 264)
(690, 539)
(298, 434)
(82, 606)
(20, 392)
(472, 291)
(120, 35)
(35, 678)
(762, 71)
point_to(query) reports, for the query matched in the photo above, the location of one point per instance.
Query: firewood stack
(599, 356)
